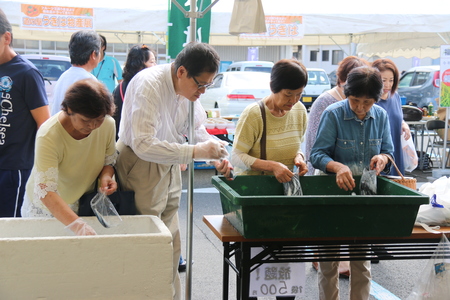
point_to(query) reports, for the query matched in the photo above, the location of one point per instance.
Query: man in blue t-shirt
(24, 107)
(108, 69)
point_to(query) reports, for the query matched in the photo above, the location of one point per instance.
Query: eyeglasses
(200, 86)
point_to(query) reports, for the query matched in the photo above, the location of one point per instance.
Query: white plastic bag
(437, 212)
(410, 159)
(434, 281)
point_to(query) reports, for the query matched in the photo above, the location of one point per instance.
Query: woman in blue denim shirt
(353, 134)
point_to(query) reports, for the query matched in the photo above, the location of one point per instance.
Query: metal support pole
(193, 29)
(192, 15)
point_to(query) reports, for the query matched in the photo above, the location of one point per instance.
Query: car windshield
(51, 69)
(414, 79)
(248, 80)
(317, 78)
(405, 81)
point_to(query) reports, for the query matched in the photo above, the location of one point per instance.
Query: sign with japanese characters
(445, 76)
(56, 18)
(277, 279)
(280, 27)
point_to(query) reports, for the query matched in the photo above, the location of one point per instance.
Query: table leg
(245, 271)
(226, 270)
(421, 148)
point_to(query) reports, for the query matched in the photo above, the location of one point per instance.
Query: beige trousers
(157, 189)
(328, 279)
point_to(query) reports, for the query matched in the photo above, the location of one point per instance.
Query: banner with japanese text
(56, 18)
(280, 27)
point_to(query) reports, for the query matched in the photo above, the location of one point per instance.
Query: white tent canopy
(394, 28)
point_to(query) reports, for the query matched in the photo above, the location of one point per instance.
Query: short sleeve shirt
(68, 166)
(22, 89)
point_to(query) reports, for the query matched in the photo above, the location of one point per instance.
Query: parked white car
(51, 67)
(231, 92)
(253, 66)
(318, 82)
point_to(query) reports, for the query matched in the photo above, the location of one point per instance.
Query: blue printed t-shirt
(22, 89)
(342, 137)
(107, 71)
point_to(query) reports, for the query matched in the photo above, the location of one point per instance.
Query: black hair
(103, 43)
(197, 58)
(288, 74)
(364, 82)
(90, 98)
(137, 56)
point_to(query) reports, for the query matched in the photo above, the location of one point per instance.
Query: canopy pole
(192, 15)
(189, 232)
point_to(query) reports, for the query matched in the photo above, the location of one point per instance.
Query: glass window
(259, 69)
(421, 78)
(338, 55)
(19, 43)
(313, 55)
(317, 78)
(326, 55)
(62, 46)
(32, 44)
(405, 81)
(217, 81)
(48, 45)
(51, 69)
(119, 47)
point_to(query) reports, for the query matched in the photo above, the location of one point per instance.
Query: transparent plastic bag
(368, 184)
(434, 281)
(293, 187)
(105, 211)
(410, 159)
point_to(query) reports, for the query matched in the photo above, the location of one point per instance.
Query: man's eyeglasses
(200, 86)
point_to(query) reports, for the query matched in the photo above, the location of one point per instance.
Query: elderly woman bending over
(353, 134)
(285, 127)
(74, 148)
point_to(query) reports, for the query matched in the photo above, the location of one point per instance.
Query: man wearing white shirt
(84, 52)
(152, 136)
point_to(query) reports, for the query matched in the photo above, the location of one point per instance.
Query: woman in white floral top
(74, 148)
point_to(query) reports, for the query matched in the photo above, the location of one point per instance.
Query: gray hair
(82, 44)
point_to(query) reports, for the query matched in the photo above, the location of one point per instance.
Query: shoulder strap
(263, 138)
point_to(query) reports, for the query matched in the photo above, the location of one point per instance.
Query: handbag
(123, 201)
(406, 181)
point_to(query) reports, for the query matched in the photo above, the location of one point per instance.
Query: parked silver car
(231, 92)
(420, 85)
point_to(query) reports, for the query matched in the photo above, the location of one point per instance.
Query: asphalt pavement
(392, 280)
